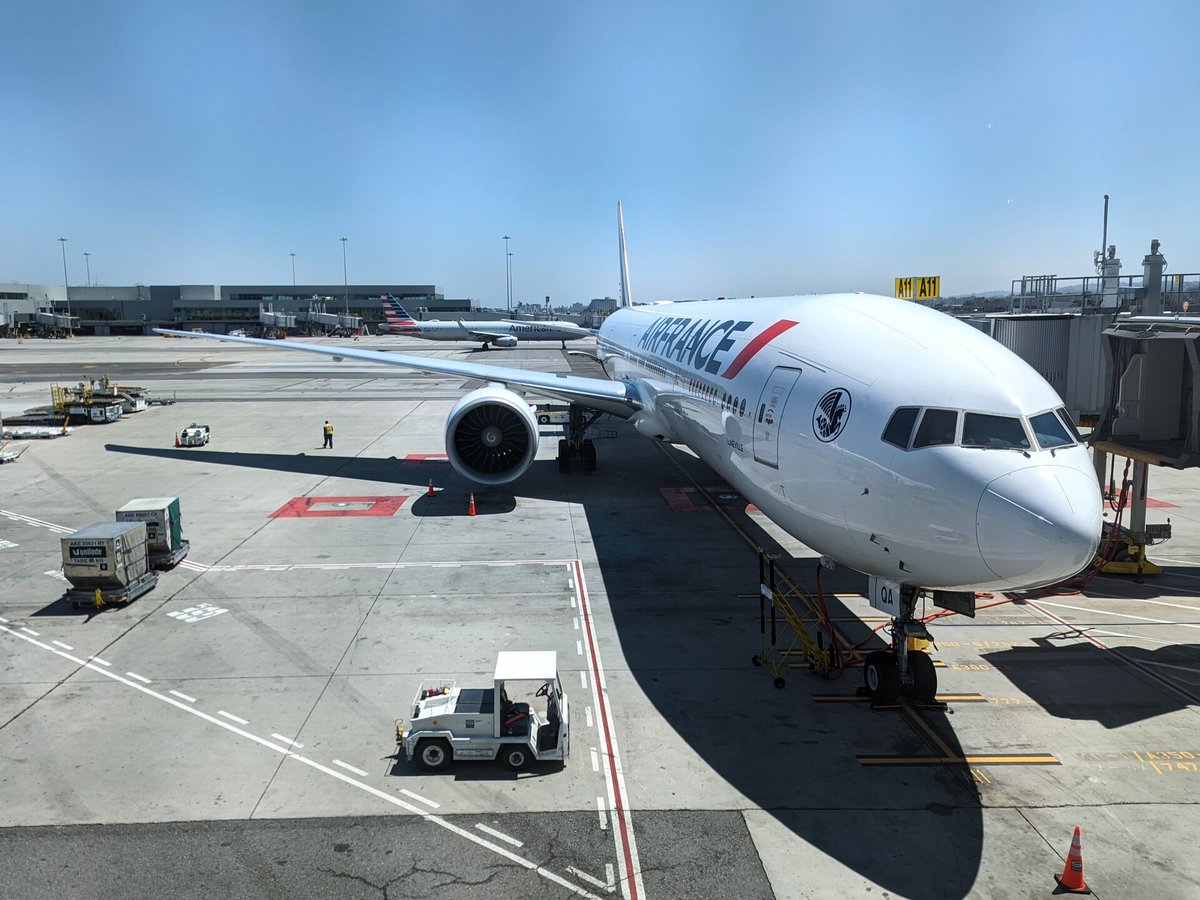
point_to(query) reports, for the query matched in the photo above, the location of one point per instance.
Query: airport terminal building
(117, 310)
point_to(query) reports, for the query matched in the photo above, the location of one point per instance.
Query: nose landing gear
(903, 668)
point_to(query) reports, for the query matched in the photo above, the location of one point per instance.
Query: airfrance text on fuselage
(689, 340)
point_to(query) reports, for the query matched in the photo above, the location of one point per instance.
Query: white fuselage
(480, 331)
(742, 383)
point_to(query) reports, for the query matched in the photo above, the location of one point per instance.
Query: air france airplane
(890, 438)
(500, 333)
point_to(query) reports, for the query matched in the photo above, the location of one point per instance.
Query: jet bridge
(1151, 411)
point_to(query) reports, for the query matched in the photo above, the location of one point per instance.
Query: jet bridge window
(995, 432)
(900, 426)
(938, 426)
(1050, 431)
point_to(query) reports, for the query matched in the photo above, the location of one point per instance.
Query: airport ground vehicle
(194, 436)
(522, 717)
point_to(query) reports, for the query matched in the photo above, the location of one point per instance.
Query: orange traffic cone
(1071, 881)
(471, 506)
(177, 439)
(429, 491)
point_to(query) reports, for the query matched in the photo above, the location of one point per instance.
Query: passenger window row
(912, 427)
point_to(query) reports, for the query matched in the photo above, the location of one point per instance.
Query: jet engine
(491, 435)
(507, 341)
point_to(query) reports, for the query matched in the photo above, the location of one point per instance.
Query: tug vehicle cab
(521, 718)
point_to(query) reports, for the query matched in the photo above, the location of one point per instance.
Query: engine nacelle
(491, 435)
(507, 341)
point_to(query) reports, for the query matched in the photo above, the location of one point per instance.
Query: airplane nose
(1039, 525)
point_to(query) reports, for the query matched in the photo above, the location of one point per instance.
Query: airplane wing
(479, 335)
(616, 397)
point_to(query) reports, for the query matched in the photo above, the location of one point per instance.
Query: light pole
(293, 255)
(88, 261)
(345, 279)
(66, 284)
(508, 273)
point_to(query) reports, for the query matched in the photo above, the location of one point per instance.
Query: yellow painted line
(1020, 759)
(933, 735)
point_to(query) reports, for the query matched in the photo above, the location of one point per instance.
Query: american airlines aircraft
(890, 438)
(500, 333)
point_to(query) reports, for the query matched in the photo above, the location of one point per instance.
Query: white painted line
(502, 836)
(232, 717)
(30, 631)
(629, 871)
(575, 622)
(572, 601)
(350, 768)
(136, 677)
(570, 584)
(608, 874)
(61, 644)
(579, 647)
(603, 813)
(286, 740)
(588, 878)
(4, 620)
(583, 678)
(588, 711)
(425, 800)
(183, 696)
(595, 760)
(102, 662)
(1107, 612)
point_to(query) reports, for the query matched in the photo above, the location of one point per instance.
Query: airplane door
(768, 413)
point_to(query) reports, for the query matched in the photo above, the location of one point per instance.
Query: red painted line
(618, 801)
(757, 344)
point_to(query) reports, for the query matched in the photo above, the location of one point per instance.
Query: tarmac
(231, 733)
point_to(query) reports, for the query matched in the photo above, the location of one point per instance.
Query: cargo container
(109, 557)
(165, 543)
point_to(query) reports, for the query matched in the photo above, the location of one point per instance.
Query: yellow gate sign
(924, 287)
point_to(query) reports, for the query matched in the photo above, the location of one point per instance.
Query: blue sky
(759, 148)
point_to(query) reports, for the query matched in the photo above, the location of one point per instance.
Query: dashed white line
(97, 659)
(590, 879)
(61, 644)
(579, 647)
(136, 677)
(588, 711)
(603, 813)
(575, 622)
(4, 620)
(182, 696)
(583, 678)
(595, 760)
(30, 631)
(501, 835)
(286, 740)
(232, 717)
(350, 768)
(430, 803)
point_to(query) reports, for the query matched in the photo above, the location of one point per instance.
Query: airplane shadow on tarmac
(688, 640)
(1082, 681)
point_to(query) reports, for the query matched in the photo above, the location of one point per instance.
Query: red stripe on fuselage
(757, 344)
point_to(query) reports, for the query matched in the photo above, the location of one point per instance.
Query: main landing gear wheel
(433, 755)
(924, 677)
(882, 678)
(564, 456)
(589, 456)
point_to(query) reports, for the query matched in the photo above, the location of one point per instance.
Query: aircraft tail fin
(626, 293)
(397, 318)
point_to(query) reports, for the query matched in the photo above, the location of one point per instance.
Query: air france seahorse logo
(831, 415)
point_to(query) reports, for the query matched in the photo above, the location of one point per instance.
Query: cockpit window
(994, 432)
(1050, 431)
(899, 428)
(938, 426)
(1070, 423)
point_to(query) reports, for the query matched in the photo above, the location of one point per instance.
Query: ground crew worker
(328, 430)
